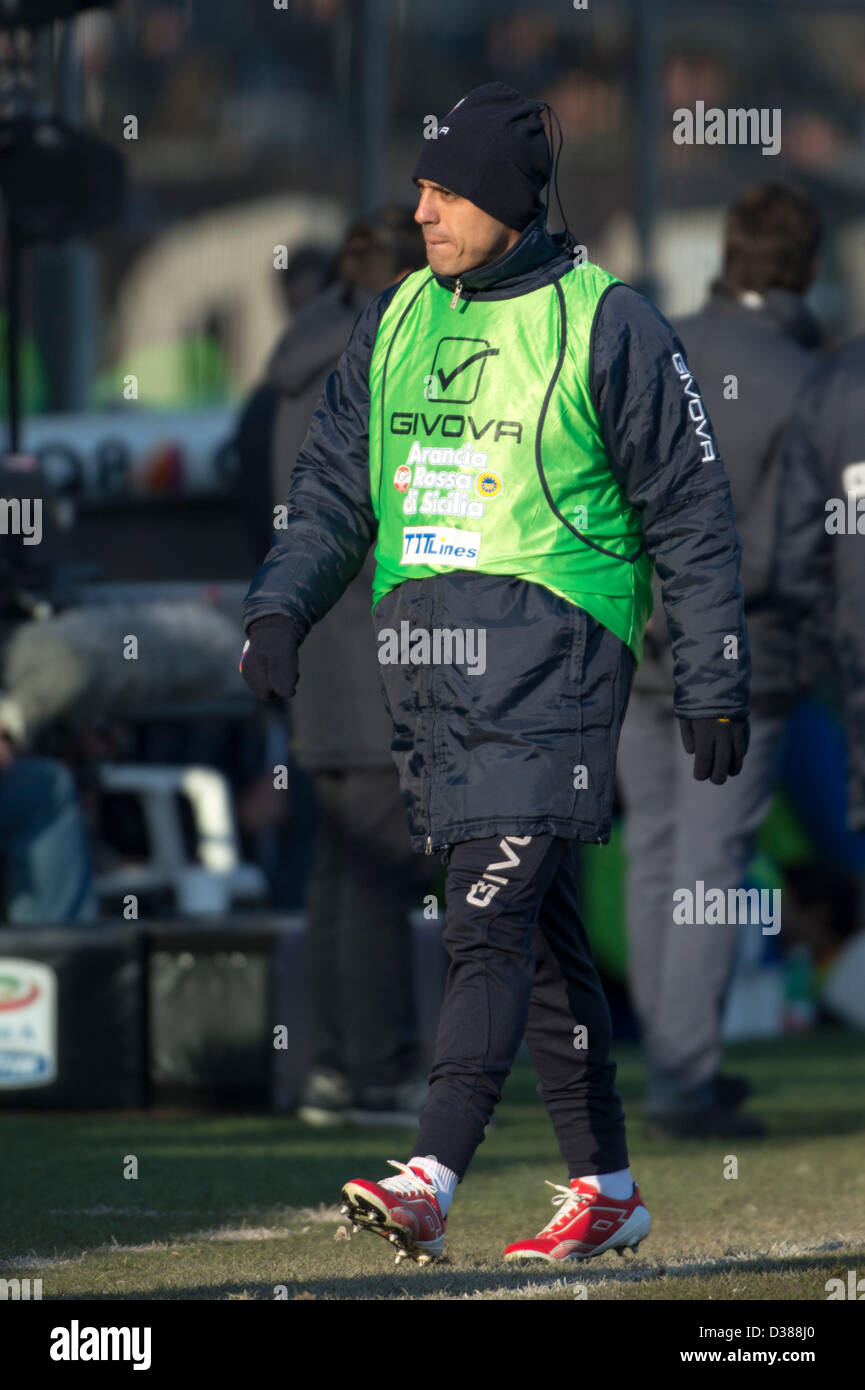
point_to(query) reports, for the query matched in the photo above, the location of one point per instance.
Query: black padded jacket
(496, 754)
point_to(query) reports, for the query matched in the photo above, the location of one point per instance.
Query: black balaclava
(492, 148)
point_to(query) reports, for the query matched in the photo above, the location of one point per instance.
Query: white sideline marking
(103, 1210)
(319, 1213)
(33, 1261)
(523, 1290)
(579, 1271)
(210, 1236)
(600, 1276)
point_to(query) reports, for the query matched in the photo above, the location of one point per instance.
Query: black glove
(268, 663)
(720, 746)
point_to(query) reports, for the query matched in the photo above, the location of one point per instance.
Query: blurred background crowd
(166, 356)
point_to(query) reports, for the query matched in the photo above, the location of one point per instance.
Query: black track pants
(521, 966)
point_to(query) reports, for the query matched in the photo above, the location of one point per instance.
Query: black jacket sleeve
(663, 455)
(826, 437)
(801, 581)
(330, 523)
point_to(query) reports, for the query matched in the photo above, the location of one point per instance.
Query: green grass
(231, 1206)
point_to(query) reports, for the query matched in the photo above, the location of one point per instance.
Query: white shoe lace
(409, 1183)
(569, 1199)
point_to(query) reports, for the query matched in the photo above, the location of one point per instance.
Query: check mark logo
(446, 378)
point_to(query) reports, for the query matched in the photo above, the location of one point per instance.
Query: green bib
(485, 451)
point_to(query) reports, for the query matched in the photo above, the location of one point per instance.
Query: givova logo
(457, 369)
(445, 545)
(696, 409)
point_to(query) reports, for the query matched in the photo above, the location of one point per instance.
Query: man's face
(459, 236)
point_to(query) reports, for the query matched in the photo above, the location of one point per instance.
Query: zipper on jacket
(457, 292)
(432, 749)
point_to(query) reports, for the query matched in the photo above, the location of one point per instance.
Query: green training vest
(485, 452)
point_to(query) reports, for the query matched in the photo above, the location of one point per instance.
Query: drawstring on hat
(554, 174)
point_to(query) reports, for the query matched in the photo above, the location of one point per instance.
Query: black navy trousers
(521, 966)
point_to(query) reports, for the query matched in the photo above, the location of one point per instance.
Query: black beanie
(492, 148)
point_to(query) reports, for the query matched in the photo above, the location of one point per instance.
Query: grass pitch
(247, 1207)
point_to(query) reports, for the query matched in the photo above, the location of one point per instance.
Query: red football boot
(403, 1209)
(587, 1224)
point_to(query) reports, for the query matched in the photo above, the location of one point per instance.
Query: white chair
(220, 878)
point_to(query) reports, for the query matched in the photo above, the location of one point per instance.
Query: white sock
(618, 1185)
(445, 1181)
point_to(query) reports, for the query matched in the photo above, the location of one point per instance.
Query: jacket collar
(534, 248)
(782, 309)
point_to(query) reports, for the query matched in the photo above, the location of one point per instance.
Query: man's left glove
(268, 663)
(719, 746)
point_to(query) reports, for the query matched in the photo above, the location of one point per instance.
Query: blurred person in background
(826, 437)
(750, 348)
(551, 391)
(365, 879)
(46, 866)
(46, 870)
(309, 272)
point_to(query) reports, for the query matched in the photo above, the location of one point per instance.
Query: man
(826, 440)
(364, 879)
(750, 348)
(521, 435)
(46, 866)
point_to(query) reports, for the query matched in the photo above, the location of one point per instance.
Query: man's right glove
(719, 746)
(268, 663)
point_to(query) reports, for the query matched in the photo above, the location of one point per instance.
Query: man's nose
(425, 211)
